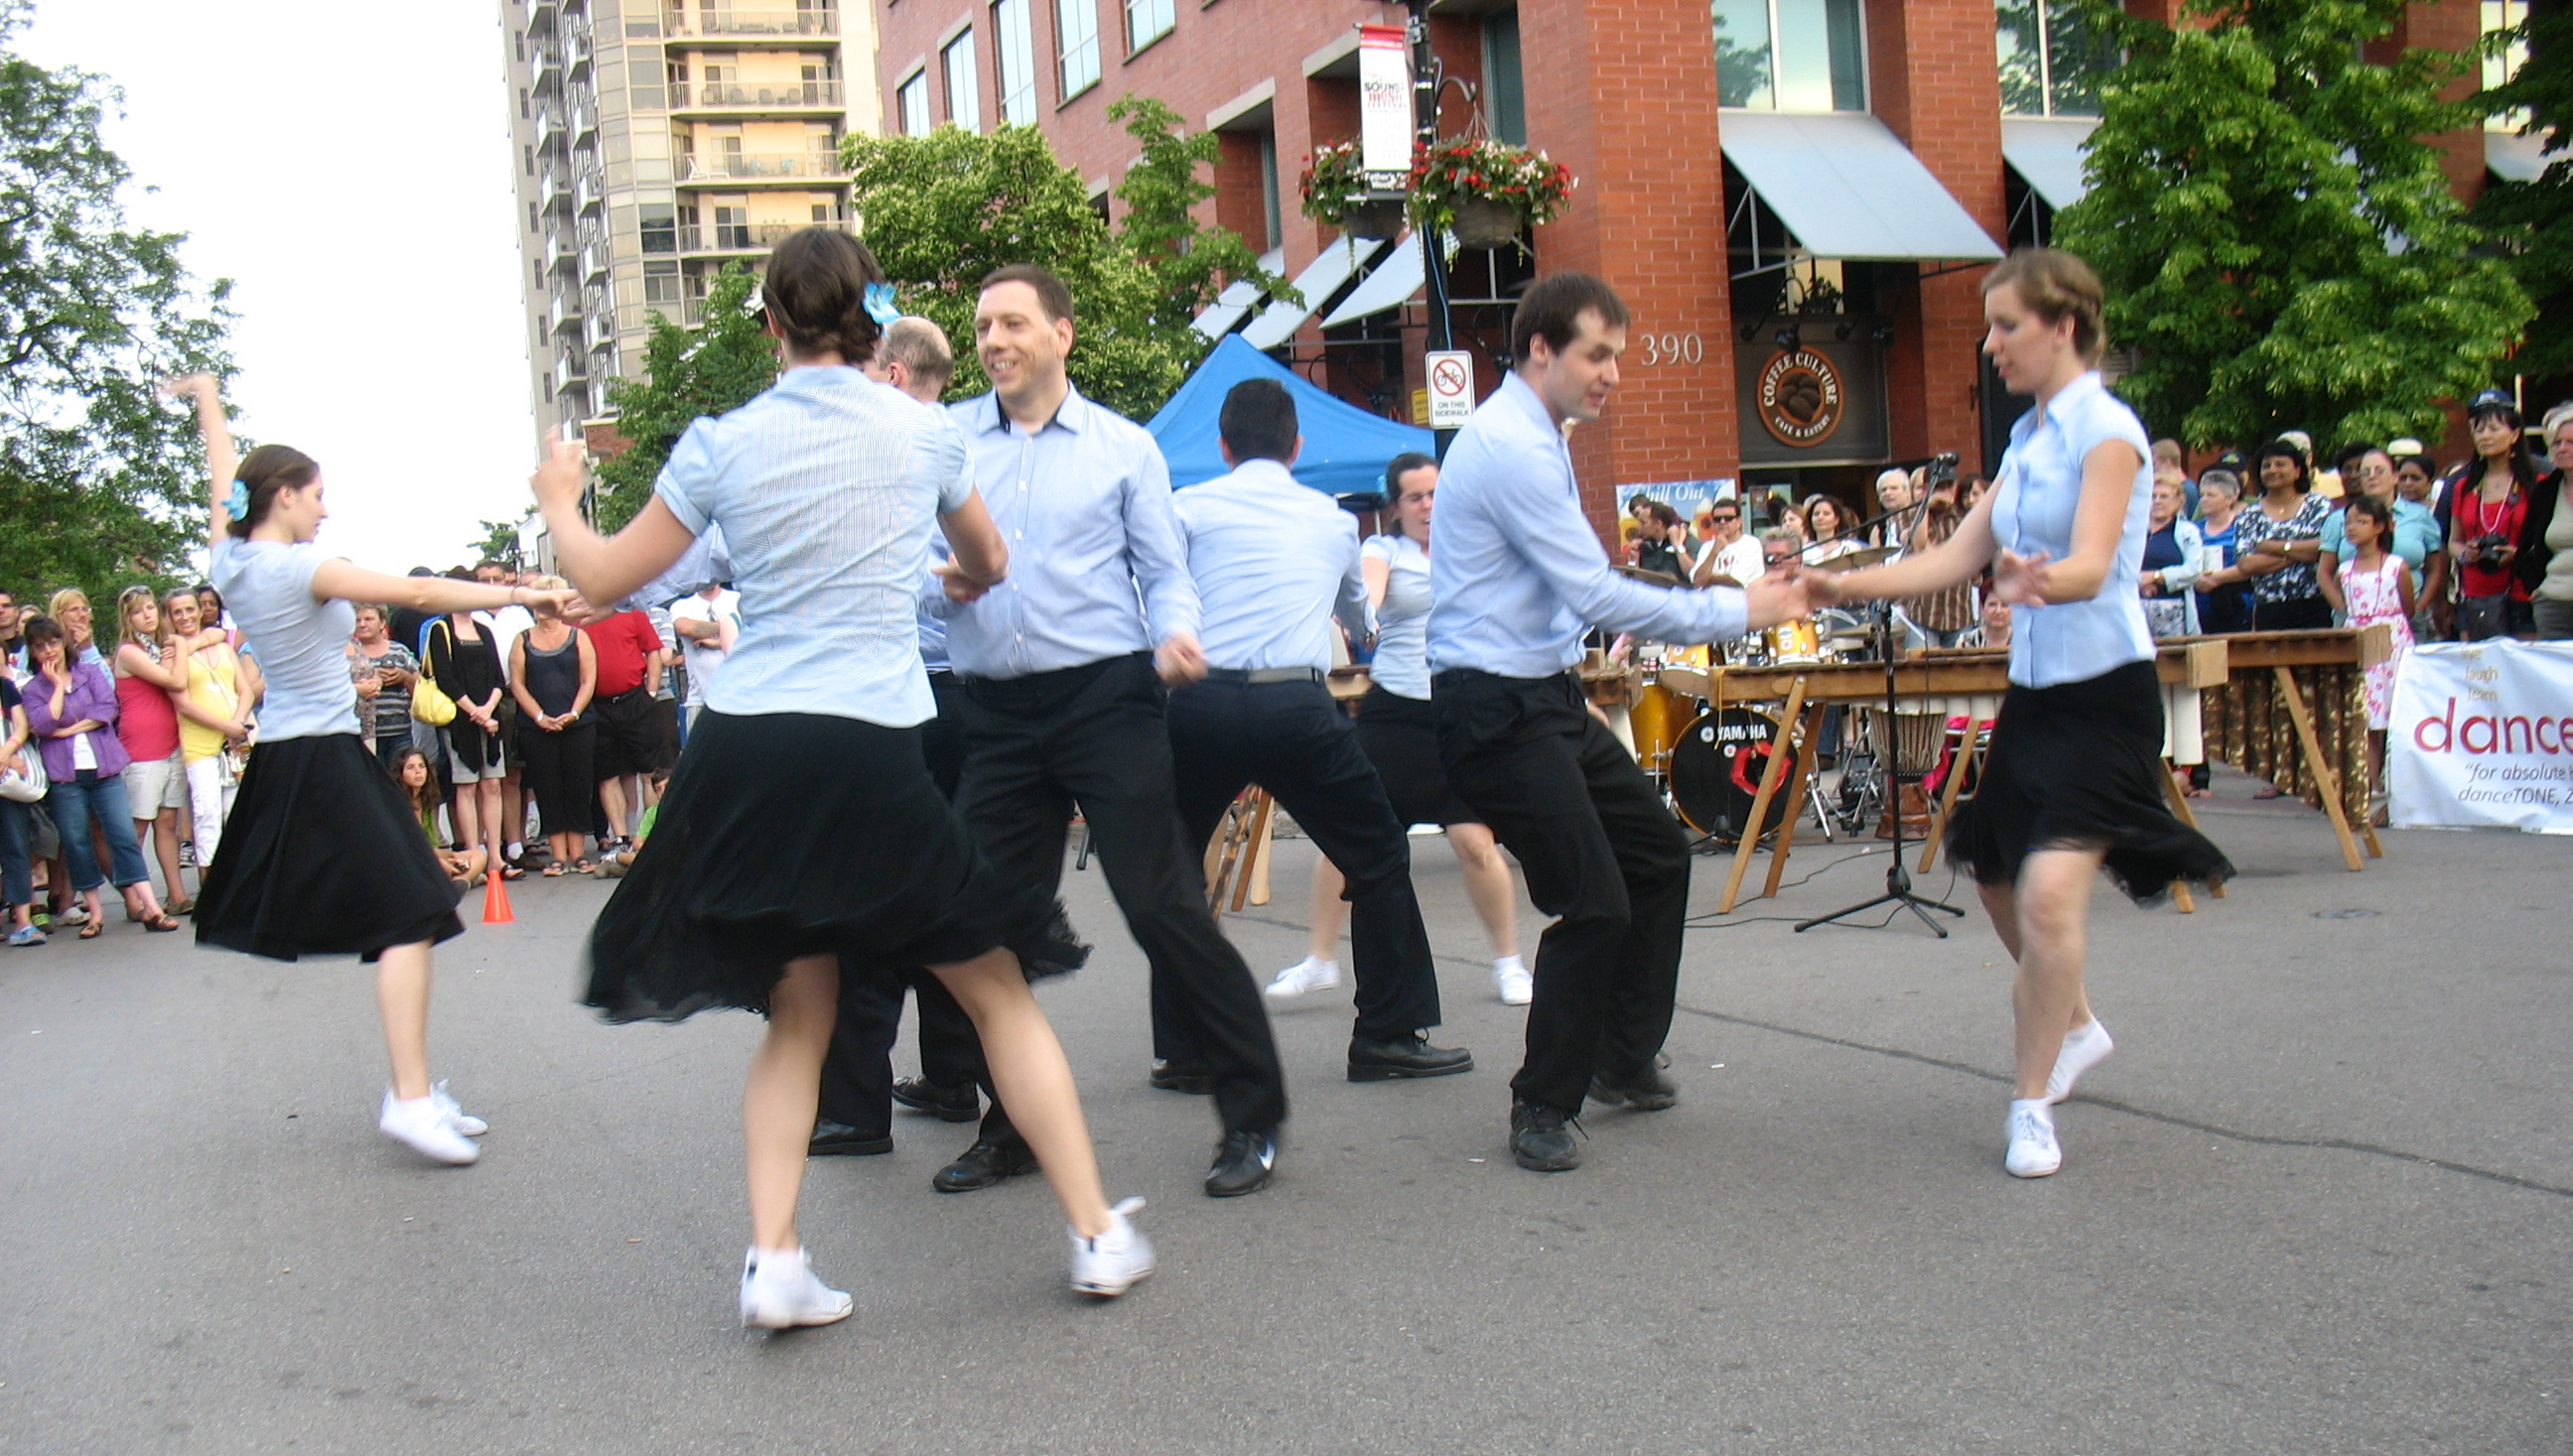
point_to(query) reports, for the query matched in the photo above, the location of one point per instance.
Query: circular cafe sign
(1801, 399)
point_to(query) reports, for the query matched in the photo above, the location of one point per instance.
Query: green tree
(2535, 219)
(500, 541)
(944, 210)
(687, 373)
(2280, 246)
(100, 482)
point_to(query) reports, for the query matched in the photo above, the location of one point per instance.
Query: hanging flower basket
(1449, 178)
(1373, 217)
(1332, 180)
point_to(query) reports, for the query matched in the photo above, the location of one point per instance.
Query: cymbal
(1638, 573)
(1853, 560)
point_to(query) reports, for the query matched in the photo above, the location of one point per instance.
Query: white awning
(1236, 301)
(2047, 155)
(1849, 189)
(1397, 280)
(2517, 159)
(1322, 277)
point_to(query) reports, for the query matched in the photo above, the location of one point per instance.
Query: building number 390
(1673, 348)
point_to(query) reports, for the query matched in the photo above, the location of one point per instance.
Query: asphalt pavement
(2320, 1201)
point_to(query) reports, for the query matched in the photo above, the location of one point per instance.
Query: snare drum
(1654, 718)
(1796, 641)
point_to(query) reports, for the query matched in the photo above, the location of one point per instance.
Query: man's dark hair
(1551, 310)
(1259, 422)
(1400, 466)
(2350, 457)
(489, 563)
(1052, 296)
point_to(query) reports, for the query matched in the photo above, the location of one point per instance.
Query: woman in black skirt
(802, 838)
(2074, 778)
(322, 856)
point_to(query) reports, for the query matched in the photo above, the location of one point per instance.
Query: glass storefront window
(1791, 55)
(2050, 58)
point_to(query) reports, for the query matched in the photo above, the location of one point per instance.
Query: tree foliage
(499, 541)
(2278, 244)
(100, 484)
(944, 210)
(717, 367)
(2534, 220)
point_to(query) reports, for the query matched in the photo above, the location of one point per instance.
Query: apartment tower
(655, 143)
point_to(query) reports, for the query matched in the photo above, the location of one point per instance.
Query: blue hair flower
(880, 304)
(237, 501)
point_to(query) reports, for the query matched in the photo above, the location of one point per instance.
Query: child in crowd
(613, 865)
(419, 790)
(2377, 586)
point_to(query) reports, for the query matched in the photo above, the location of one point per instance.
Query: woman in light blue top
(322, 856)
(2074, 780)
(802, 838)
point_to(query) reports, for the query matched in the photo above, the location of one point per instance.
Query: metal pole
(1433, 258)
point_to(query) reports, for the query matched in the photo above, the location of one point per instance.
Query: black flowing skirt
(1400, 736)
(323, 857)
(2079, 766)
(785, 835)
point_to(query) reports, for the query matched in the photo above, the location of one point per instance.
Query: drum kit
(1709, 759)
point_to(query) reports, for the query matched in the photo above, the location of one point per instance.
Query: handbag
(22, 779)
(428, 702)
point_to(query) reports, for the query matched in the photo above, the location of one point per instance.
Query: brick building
(1805, 191)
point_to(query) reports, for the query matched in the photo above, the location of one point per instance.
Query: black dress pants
(1601, 854)
(1095, 735)
(857, 1075)
(1292, 740)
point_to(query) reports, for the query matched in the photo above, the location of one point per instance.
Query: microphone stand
(1898, 879)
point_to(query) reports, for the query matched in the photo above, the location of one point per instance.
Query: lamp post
(1433, 258)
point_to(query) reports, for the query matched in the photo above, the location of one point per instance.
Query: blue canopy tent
(1346, 447)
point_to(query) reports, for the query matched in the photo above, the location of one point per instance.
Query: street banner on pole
(2481, 734)
(1385, 122)
(1451, 387)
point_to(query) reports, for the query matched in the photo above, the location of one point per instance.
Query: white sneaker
(2032, 1151)
(780, 1293)
(1513, 979)
(456, 1118)
(1310, 973)
(424, 1125)
(2083, 1047)
(1115, 1261)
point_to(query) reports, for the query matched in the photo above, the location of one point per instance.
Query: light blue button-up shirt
(2034, 496)
(1515, 571)
(826, 488)
(1095, 565)
(1273, 561)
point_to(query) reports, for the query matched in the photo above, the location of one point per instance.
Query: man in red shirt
(630, 654)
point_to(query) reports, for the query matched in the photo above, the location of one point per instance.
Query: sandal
(162, 924)
(584, 867)
(552, 872)
(2271, 792)
(93, 930)
(513, 872)
(179, 906)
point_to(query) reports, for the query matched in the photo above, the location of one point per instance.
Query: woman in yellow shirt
(214, 717)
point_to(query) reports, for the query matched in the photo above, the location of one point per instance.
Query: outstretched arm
(221, 463)
(606, 568)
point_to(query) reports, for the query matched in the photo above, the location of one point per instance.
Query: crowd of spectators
(123, 751)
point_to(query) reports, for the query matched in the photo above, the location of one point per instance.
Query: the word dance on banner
(2481, 734)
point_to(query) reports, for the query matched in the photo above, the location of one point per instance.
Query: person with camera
(2491, 505)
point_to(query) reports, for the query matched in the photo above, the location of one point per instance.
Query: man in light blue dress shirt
(1517, 574)
(1062, 670)
(1273, 561)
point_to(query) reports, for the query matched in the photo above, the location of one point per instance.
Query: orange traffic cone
(495, 903)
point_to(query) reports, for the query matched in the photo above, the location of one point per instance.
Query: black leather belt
(1261, 676)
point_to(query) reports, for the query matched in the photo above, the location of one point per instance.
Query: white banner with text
(2481, 736)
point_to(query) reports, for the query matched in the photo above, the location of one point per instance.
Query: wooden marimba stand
(1236, 858)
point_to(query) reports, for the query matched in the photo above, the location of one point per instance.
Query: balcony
(760, 167)
(561, 312)
(552, 187)
(748, 23)
(599, 331)
(568, 369)
(593, 261)
(558, 249)
(546, 65)
(541, 13)
(549, 124)
(575, 44)
(755, 95)
(589, 190)
(739, 237)
(584, 121)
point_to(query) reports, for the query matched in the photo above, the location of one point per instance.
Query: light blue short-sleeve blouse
(2035, 495)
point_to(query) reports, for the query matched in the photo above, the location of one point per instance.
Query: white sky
(348, 165)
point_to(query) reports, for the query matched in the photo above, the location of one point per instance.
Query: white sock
(1507, 963)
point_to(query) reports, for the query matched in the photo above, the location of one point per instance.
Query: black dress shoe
(961, 1103)
(1410, 1056)
(1183, 1076)
(1644, 1091)
(837, 1139)
(1243, 1163)
(983, 1165)
(1541, 1138)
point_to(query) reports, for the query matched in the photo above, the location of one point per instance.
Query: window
(538, 268)
(659, 223)
(910, 100)
(1504, 94)
(530, 163)
(2050, 59)
(535, 224)
(1148, 21)
(519, 43)
(1076, 36)
(964, 97)
(522, 103)
(2500, 66)
(661, 285)
(1791, 55)
(1014, 63)
(1272, 221)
